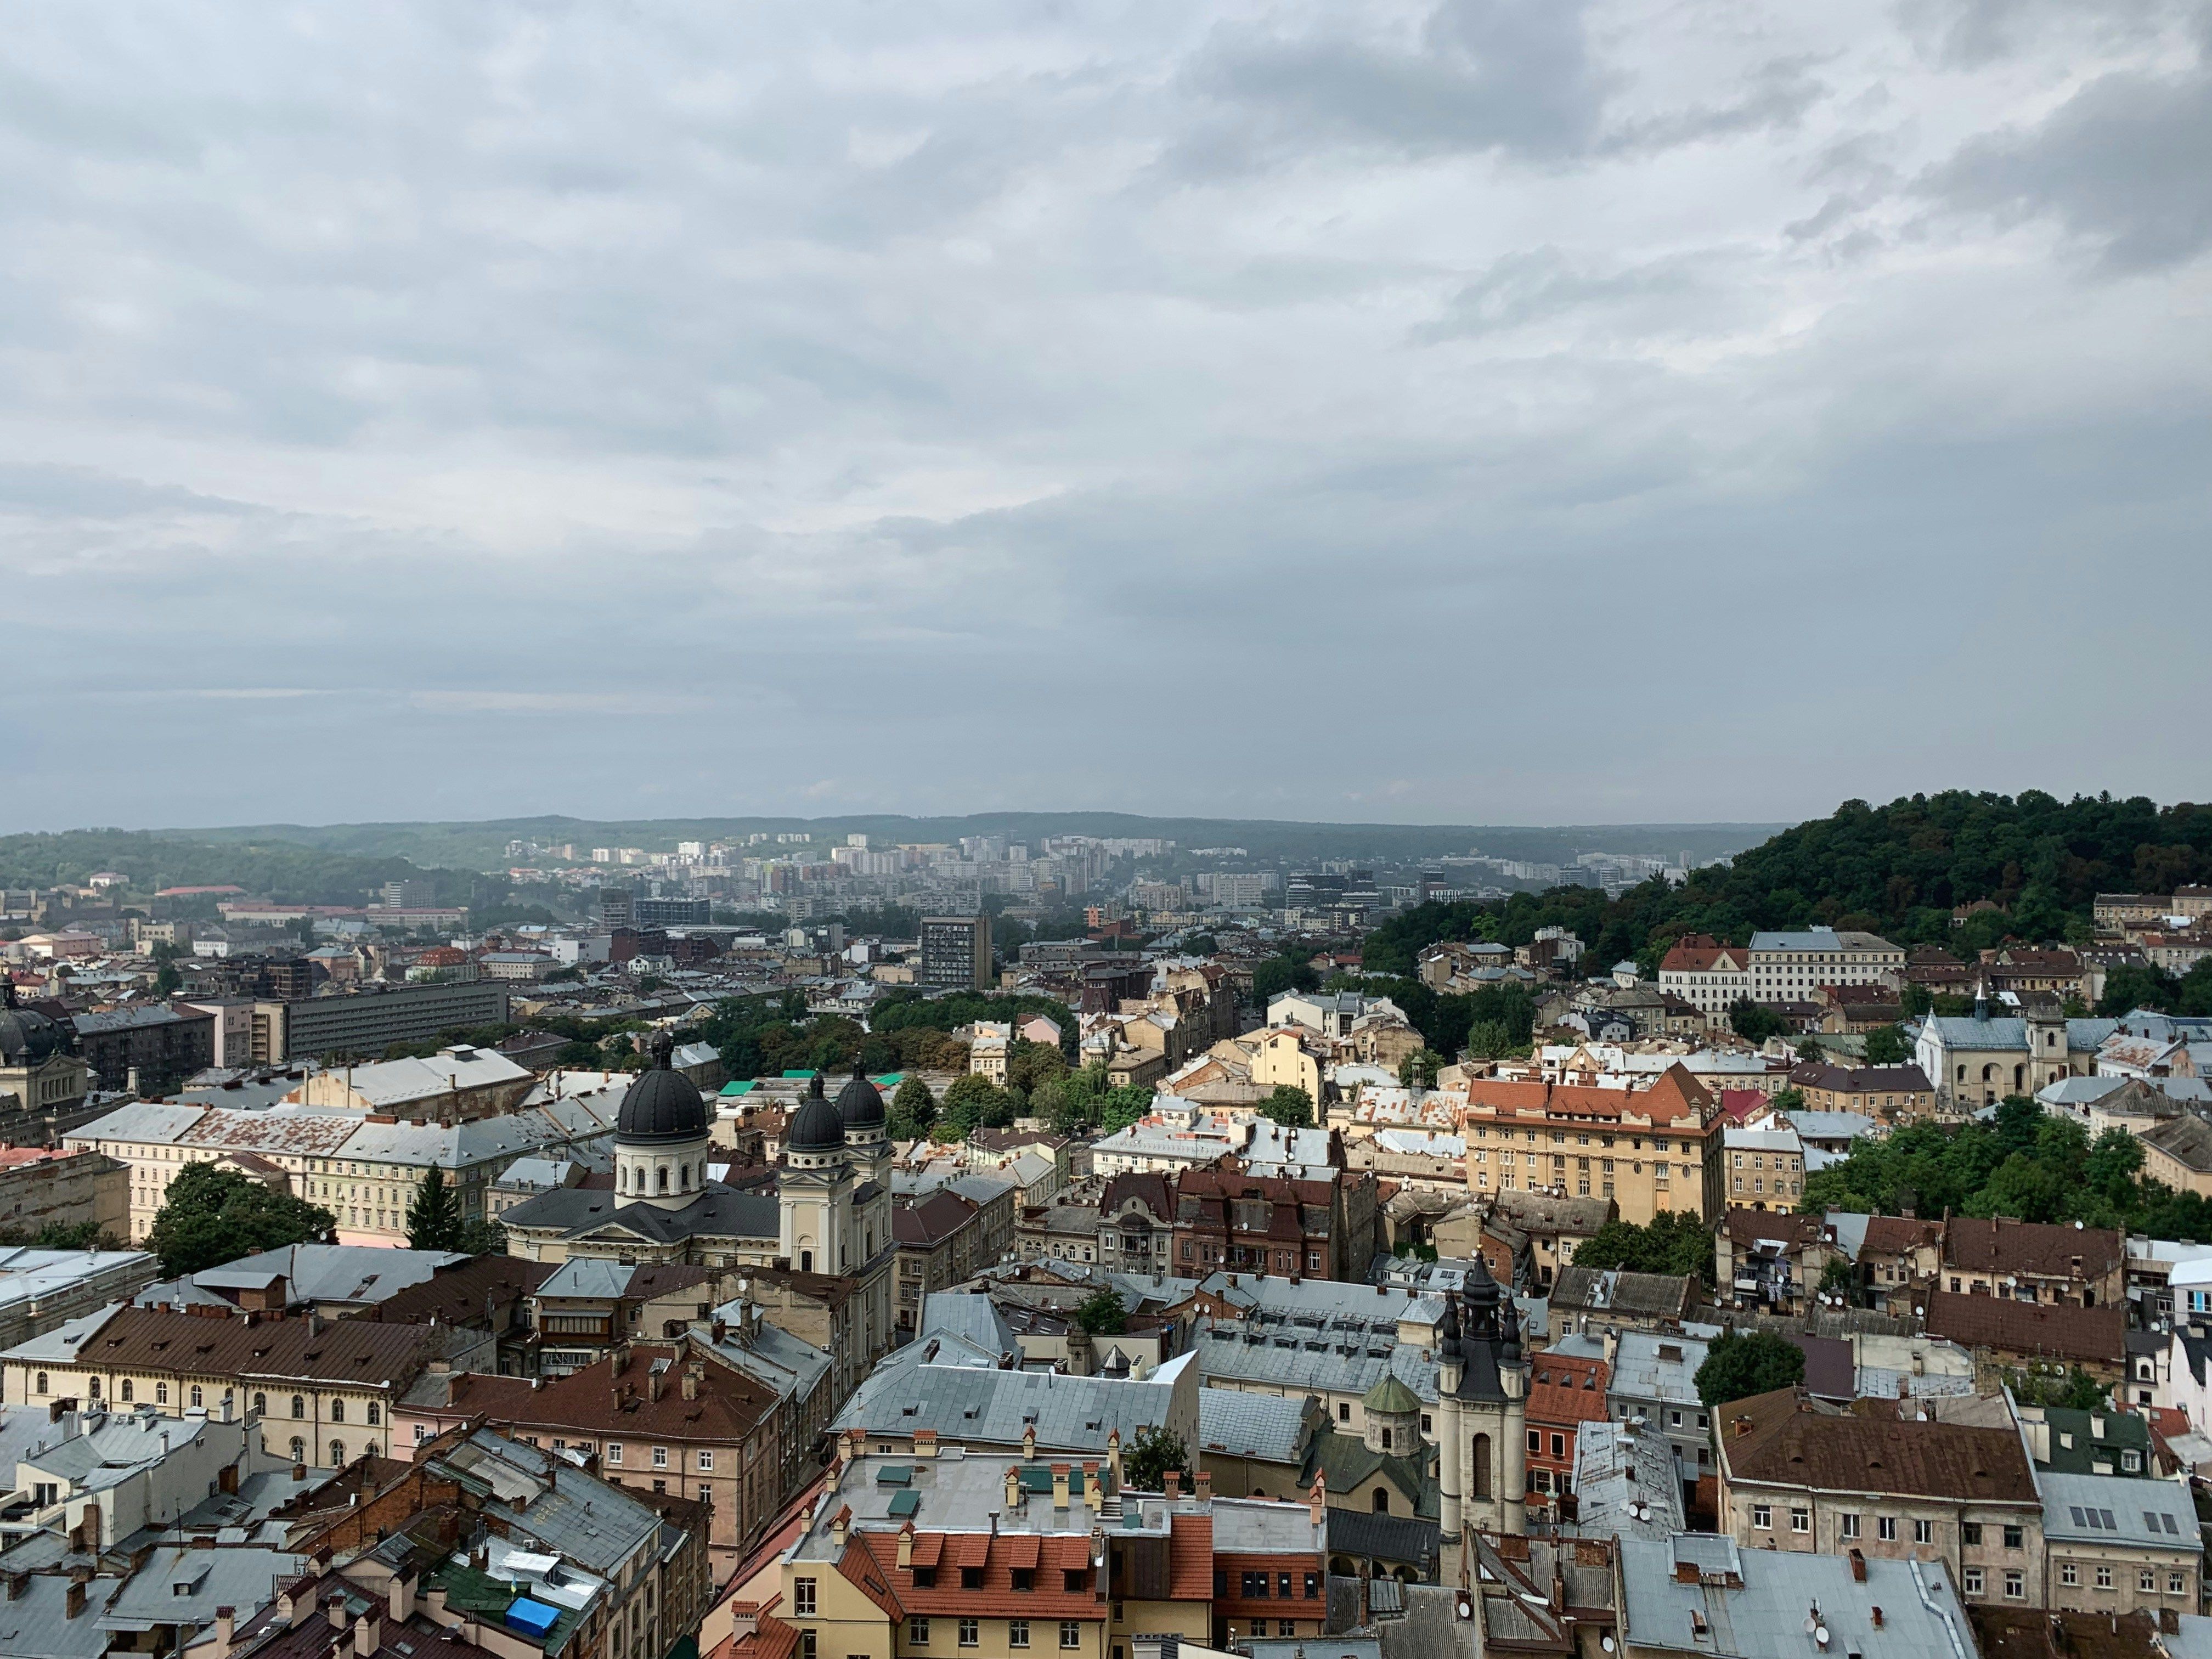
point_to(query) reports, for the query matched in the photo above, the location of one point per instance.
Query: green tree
(1754, 1022)
(1676, 1242)
(1886, 1045)
(969, 1098)
(1119, 1107)
(1030, 1064)
(913, 1110)
(482, 1238)
(1288, 1104)
(2128, 988)
(1102, 1314)
(215, 1215)
(1147, 1459)
(1738, 1365)
(433, 1217)
(1809, 1046)
(1490, 1039)
(169, 981)
(1419, 1069)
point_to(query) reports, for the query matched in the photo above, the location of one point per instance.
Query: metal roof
(2120, 1508)
(332, 1273)
(1765, 1614)
(1313, 1359)
(975, 1404)
(1266, 1427)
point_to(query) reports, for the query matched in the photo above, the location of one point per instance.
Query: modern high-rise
(956, 954)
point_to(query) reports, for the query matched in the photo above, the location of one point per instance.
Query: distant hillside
(285, 871)
(1898, 870)
(483, 846)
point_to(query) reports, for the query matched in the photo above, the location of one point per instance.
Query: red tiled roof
(1190, 1559)
(1699, 953)
(871, 1558)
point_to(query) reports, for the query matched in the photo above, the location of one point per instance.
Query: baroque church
(829, 1213)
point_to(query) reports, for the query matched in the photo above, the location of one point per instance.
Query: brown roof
(1895, 1234)
(1675, 1099)
(1788, 1438)
(2029, 1327)
(2185, 1139)
(1746, 1226)
(661, 1278)
(363, 1352)
(603, 1400)
(1698, 953)
(934, 1220)
(2033, 1634)
(457, 1296)
(1859, 1079)
(2030, 1247)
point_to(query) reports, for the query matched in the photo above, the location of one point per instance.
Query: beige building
(1790, 967)
(1648, 1150)
(2178, 1151)
(1765, 1168)
(44, 1187)
(1800, 1473)
(2120, 1544)
(454, 1085)
(323, 1391)
(1710, 976)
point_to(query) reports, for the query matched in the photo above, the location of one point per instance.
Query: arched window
(662, 1175)
(1989, 1074)
(260, 1405)
(92, 1388)
(1478, 1482)
(373, 1416)
(127, 1387)
(338, 1454)
(807, 1261)
(299, 1450)
(683, 1177)
(298, 1406)
(1382, 1500)
(42, 1381)
(197, 1400)
(337, 1410)
(1386, 1440)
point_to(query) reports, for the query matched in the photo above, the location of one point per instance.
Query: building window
(1254, 1586)
(660, 1457)
(1923, 1532)
(1801, 1520)
(2069, 1573)
(1070, 1633)
(1343, 1412)
(1970, 1532)
(1762, 1516)
(43, 1382)
(2104, 1575)
(614, 1452)
(1973, 1581)
(1018, 1632)
(260, 1405)
(2147, 1581)
(196, 1401)
(127, 1387)
(1848, 1525)
(917, 1633)
(706, 1460)
(337, 1410)
(2015, 1584)
(2176, 1583)
(802, 1597)
(1535, 1440)
(1885, 1527)
(2013, 1535)
(970, 1632)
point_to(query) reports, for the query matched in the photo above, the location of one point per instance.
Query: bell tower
(1482, 1427)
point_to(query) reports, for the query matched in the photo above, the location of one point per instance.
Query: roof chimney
(73, 1603)
(925, 1442)
(1858, 1570)
(1059, 1472)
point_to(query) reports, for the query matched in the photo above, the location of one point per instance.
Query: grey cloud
(1515, 76)
(2120, 165)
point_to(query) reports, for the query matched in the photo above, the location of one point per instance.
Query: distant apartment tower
(956, 953)
(413, 894)
(617, 906)
(669, 912)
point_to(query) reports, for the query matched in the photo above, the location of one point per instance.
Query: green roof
(802, 1073)
(2093, 1453)
(889, 1079)
(895, 1475)
(745, 1088)
(905, 1502)
(1391, 1397)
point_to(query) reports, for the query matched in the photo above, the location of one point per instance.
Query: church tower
(868, 1148)
(662, 1136)
(1482, 1423)
(816, 1188)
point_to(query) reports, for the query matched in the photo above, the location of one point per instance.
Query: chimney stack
(1013, 1490)
(925, 1442)
(1171, 1483)
(1059, 1472)
(1202, 1484)
(226, 1625)
(364, 1636)
(73, 1603)
(906, 1545)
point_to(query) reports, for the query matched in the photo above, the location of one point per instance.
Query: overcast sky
(1503, 410)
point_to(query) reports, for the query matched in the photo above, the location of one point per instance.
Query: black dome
(661, 1105)
(860, 1104)
(26, 1037)
(816, 1127)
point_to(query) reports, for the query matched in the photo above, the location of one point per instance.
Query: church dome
(816, 1126)
(860, 1104)
(26, 1037)
(663, 1104)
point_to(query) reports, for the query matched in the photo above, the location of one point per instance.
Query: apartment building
(1886, 1480)
(1710, 976)
(152, 1048)
(370, 1020)
(322, 1390)
(1790, 966)
(1650, 1149)
(955, 953)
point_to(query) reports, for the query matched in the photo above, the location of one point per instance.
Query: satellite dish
(1606, 1643)
(1821, 1636)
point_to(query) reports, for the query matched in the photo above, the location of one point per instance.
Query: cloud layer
(1485, 410)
